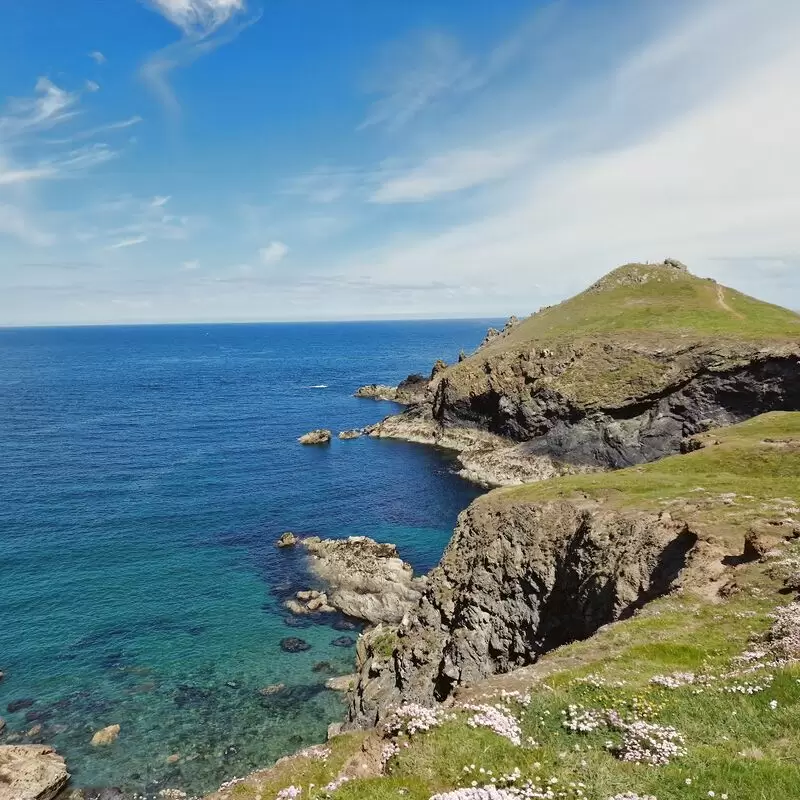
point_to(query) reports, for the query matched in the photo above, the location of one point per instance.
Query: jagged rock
(675, 264)
(106, 736)
(412, 390)
(2, 724)
(493, 334)
(439, 366)
(319, 436)
(366, 580)
(287, 539)
(350, 434)
(291, 644)
(31, 772)
(517, 579)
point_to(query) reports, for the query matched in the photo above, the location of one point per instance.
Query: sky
(247, 160)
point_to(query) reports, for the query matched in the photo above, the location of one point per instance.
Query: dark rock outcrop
(408, 392)
(515, 581)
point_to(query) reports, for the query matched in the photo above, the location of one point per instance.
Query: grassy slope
(737, 744)
(658, 299)
(758, 461)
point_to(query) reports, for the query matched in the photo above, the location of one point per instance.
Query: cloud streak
(205, 25)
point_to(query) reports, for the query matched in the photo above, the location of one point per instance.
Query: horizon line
(176, 324)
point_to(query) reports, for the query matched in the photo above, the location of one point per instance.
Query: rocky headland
(31, 772)
(618, 375)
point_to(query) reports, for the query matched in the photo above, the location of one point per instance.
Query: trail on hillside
(723, 304)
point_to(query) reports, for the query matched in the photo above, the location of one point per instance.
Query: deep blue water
(145, 473)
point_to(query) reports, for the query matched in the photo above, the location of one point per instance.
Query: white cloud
(92, 86)
(450, 172)
(160, 200)
(131, 242)
(198, 16)
(273, 253)
(190, 266)
(97, 57)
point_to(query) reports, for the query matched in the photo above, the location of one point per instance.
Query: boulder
(31, 772)
(296, 607)
(318, 436)
(106, 736)
(287, 539)
(341, 683)
(365, 579)
(173, 759)
(355, 433)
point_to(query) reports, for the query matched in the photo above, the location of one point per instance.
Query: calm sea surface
(145, 473)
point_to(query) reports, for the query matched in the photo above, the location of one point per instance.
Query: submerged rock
(344, 641)
(273, 688)
(366, 580)
(318, 436)
(31, 772)
(19, 705)
(106, 736)
(292, 644)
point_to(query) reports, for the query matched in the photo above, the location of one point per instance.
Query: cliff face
(514, 582)
(616, 403)
(537, 566)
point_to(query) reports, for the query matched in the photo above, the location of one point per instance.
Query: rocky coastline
(526, 573)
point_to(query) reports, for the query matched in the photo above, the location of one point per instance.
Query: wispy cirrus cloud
(205, 25)
(451, 171)
(130, 242)
(50, 106)
(91, 133)
(97, 57)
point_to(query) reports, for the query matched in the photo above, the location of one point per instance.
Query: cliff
(617, 375)
(532, 568)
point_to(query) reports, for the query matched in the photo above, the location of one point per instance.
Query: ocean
(146, 473)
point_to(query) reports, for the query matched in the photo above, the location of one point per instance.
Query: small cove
(147, 473)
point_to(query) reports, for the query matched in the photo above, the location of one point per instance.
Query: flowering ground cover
(645, 710)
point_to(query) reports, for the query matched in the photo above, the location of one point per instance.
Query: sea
(145, 475)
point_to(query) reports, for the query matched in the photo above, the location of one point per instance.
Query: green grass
(758, 461)
(654, 298)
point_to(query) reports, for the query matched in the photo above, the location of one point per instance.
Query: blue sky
(204, 160)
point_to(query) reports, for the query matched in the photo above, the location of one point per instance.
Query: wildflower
(773, 704)
(497, 719)
(289, 793)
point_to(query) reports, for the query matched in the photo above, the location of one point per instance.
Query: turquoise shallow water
(145, 475)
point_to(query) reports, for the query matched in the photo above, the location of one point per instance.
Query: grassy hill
(655, 298)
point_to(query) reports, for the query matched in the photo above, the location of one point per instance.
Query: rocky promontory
(408, 392)
(618, 375)
(364, 579)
